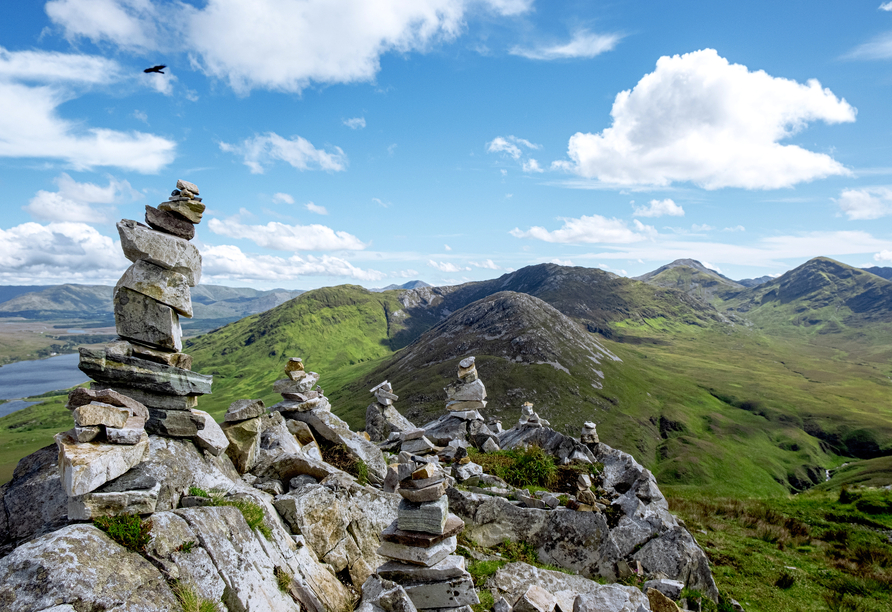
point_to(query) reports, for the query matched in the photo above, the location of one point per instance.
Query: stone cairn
(589, 433)
(142, 382)
(297, 390)
(420, 542)
(528, 418)
(465, 399)
(383, 421)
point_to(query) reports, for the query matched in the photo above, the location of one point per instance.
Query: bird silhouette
(157, 69)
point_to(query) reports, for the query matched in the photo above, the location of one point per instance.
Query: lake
(28, 378)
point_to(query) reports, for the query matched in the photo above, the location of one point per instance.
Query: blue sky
(378, 141)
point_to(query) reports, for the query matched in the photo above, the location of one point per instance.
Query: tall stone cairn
(420, 542)
(469, 393)
(142, 382)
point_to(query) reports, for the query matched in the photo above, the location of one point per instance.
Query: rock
(143, 319)
(97, 413)
(211, 437)
(80, 566)
(142, 374)
(177, 360)
(419, 556)
(299, 402)
(244, 409)
(164, 286)
(427, 494)
(589, 433)
(273, 487)
(181, 184)
(463, 392)
(174, 423)
(501, 606)
(489, 446)
(669, 588)
(450, 593)
(85, 434)
(660, 603)
(513, 580)
(190, 210)
(91, 505)
(131, 433)
(381, 421)
(81, 396)
(328, 426)
(452, 566)
(379, 594)
(535, 599)
(150, 399)
(170, 223)
(301, 431)
(587, 497)
(85, 467)
(161, 249)
(676, 554)
(285, 467)
(472, 406)
(244, 443)
(556, 444)
(33, 502)
(428, 470)
(295, 364)
(428, 517)
(286, 385)
(463, 472)
(418, 539)
(531, 502)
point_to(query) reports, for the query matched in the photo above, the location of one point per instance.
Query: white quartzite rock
(211, 438)
(419, 556)
(161, 249)
(244, 409)
(165, 286)
(84, 467)
(91, 505)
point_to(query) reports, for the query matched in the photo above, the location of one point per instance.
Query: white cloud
(262, 150)
(591, 229)
(30, 125)
(583, 44)
(321, 41)
(509, 146)
(702, 227)
(447, 247)
(699, 118)
(531, 166)
(884, 255)
(408, 273)
(866, 203)
(561, 262)
(141, 116)
(489, 264)
(228, 262)
(356, 123)
(283, 198)
(282, 237)
(886, 6)
(878, 48)
(381, 203)
(73, 202)
(315, 208)
(64, 252)
(445, 266)
(659, 208)
(736, 228)
(706, 264)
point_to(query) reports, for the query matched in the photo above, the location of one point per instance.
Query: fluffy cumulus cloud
(590, 229)
(701, 119)
(264, 149)
(32, 253)
(583, 44)
(883, 256)
(33, 84)
(660, 208)
(313, 41)
(228, 262)
(77, 202)
(532, 166)
(866, 203)
(282, 237)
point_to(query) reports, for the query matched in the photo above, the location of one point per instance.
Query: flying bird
(157, 69)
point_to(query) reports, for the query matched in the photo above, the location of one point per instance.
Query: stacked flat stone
(528, 418)
(243, 426)
(420, 542)
(468, 396)
(146, 363)
(589, 433)
(297, 390)
(383, 422)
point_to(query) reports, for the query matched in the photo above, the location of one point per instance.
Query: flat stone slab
(286, 385)
(191, 210)
(91, 505)
(81, 396)
(87, 466)
(450, 593)
(165, 221)
(165, 286)
(426, 494)
(244, 409)
(149, 399)
(429, 517)
(174, 423)
(97, 413)
(393, 533)
(452, 566)
(99, 365)
(170, 252)
(419, 556)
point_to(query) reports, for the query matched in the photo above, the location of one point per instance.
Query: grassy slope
(30, 429)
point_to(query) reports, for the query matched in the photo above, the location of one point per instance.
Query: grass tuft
(128, 530)
(191, 600)
(252, 511)
(283, 579)
(523, 468)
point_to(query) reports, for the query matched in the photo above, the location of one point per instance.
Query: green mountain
(60, 300)
(881, 272)
(692, 277)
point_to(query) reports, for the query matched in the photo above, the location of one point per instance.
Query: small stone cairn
(589, 433)
(383, 421)
(297, 390)
(420, 542)
(528, 418)
(143, 383)
(468, 396)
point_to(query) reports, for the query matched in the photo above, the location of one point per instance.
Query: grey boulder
(169, 252)
(165, 286)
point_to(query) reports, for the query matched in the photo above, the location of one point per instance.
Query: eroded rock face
(33, 502)
(341, 527)
(80, 566)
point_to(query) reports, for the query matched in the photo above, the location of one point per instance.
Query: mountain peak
(687, 263)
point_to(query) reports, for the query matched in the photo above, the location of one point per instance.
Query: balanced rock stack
(242, 426)
(297, 390)
(468, 394)
(528, 418)
(420, 542)
(589, 433)
(382, 419)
